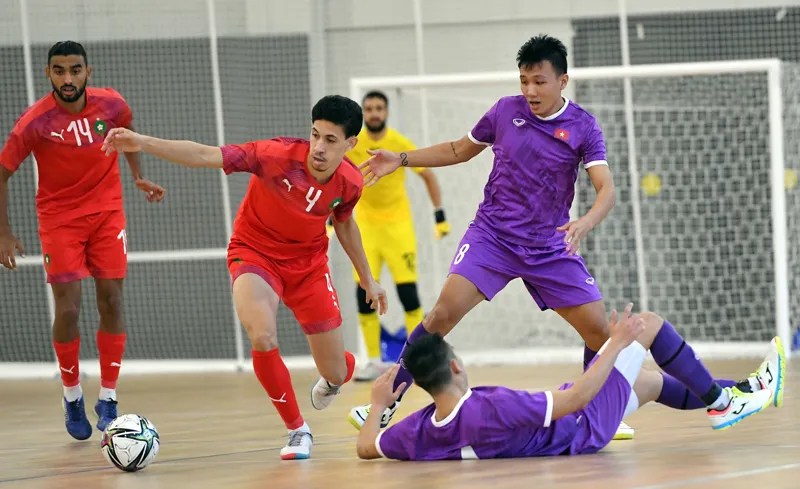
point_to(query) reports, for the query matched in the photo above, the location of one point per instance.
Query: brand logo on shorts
(590, 280)
(336, 202)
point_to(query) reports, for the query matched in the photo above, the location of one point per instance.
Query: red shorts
(94, 245)
(304, 284)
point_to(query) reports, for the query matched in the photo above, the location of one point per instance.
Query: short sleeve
(343, 211)
(241, 158)
(527, 409)
(396, 442)
(16, 148)
(485, 130)
(593, 149)
(124, 112)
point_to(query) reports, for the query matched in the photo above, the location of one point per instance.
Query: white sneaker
(370, 371)
(772, 372)
(624, 432)
(323, 393)
(742, 405)
(358, 415)
(298, 447)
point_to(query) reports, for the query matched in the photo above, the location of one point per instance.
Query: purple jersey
(536, 160)
(488, 422)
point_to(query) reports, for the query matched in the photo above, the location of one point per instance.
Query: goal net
(704, 195)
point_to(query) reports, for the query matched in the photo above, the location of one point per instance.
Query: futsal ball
(130, 442)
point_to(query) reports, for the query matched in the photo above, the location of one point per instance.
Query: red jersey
(284, 211)
(75, 177)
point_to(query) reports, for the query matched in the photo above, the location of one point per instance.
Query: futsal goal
(705, 229)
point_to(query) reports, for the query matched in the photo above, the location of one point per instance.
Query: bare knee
(440, 319)
(335, 376)
(261, 337)
(67, 311)
(109, 305)
(652, 325)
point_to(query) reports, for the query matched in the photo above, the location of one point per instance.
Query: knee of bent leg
(440, 319)
(652, 325)
(261, 339)
(67, 313)
(596, 336)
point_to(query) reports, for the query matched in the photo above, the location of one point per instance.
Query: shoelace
(73, 412)
(296, 438)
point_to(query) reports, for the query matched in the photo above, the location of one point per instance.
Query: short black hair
(342, 111)
(543, 48)
(428, 362)
(376, 94)
(67, 48)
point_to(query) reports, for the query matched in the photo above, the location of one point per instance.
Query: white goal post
(454, 103)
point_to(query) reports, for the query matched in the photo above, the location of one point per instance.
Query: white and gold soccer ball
(130, 442)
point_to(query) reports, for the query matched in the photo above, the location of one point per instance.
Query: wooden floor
(220, 431)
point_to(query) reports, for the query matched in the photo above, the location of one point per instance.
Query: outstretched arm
(578, 396)
(186, 153)
(444, 154)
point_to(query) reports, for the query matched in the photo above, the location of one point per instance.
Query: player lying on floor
(579, 418)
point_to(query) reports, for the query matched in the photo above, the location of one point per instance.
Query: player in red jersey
(279, 247)
(81, 217)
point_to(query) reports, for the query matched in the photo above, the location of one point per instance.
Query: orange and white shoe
(741, 406)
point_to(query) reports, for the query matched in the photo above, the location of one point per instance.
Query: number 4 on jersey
(309, 199)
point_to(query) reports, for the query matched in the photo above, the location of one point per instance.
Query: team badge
(100, 127)
(335, 203)
(47, 260)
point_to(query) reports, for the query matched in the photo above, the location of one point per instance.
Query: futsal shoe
(624, 432)
(106, 411)
(772, 372)
(741, 406)
(75, 419)
(358, 415)
(323, 393)
(298, 447)
(370, 371)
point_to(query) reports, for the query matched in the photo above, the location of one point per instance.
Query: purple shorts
(553, 278)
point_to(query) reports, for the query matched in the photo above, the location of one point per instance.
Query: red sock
(351, 365)
(275, 378)
(67, 354)
(110, 347)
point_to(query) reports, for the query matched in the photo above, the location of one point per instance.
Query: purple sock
(678, 359)
(588, 356)
(402, 374)
(675, 395)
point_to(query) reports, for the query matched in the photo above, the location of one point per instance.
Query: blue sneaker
(106, 411)
(78, 425)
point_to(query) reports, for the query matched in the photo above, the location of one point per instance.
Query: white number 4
(81, 126)
(312, 201)
(124, 237)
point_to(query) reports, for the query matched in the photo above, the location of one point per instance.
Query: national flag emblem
(336, 202)
(562, 134)
(47, 260)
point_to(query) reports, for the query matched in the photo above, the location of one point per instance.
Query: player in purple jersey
(522, 228)
(577, 418)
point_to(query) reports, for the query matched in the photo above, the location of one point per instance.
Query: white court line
(729, 475)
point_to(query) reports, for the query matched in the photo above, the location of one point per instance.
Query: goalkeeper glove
(442, 226)
(329, 227)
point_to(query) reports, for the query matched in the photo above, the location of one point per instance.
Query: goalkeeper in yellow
(384, 217)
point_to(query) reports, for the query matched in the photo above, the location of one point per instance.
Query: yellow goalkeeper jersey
(387, 200)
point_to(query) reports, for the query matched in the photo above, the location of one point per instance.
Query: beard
(79, 91)
(376, 127)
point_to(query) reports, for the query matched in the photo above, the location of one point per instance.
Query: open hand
(625, 328)
(121, 140)
(381, 164)
(576, 231)
(376, 296)
(383, 393)
(9, 243)
(155, 193)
